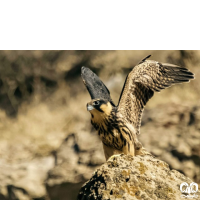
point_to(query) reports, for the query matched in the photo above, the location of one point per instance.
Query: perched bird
(118, 126)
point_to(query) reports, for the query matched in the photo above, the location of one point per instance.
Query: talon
(113, 156)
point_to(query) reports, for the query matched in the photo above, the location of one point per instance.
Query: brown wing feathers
(142, 95)
(158, 76)
(142, 81)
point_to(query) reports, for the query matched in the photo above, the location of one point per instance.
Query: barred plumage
(118, 126)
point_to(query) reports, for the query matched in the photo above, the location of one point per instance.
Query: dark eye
(96, 103)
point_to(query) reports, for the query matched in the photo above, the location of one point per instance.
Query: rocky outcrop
(76, 160)
(172, 134)
(133, 178)
(25, 180)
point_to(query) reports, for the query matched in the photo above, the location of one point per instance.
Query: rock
(76, 160)
(24, 180)
(172, 135)
(140, 177)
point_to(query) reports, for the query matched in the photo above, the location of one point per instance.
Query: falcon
(119, 125)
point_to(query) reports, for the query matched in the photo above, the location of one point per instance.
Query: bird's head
(99, 108)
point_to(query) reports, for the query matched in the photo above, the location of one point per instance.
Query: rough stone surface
(24, 181)
(74, 165)
(172, 134)
(140, 177)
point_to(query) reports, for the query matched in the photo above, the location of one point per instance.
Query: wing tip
(82, 70)
(144, 59)
(147, 57)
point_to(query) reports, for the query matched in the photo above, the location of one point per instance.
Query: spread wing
(141, 83)
(95, 86)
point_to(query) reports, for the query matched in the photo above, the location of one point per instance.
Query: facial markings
(101, 106)
(106, 108)
(97, 104)
(100, 113)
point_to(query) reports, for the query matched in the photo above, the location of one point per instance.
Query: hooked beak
(89, 107)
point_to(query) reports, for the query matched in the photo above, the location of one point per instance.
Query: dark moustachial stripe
(128, 146)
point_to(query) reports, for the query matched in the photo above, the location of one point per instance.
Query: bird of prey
(118, 126)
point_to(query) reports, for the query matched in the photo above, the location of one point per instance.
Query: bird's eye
(96, 103)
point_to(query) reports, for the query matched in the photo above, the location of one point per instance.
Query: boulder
(24, 180)
(140, 177)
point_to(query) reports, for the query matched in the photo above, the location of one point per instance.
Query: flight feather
(146, 78)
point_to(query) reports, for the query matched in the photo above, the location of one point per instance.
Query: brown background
(48, 148)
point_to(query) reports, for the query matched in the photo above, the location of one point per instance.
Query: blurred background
(48, 147)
